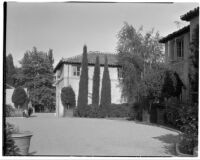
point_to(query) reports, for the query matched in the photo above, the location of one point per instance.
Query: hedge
(115, 110)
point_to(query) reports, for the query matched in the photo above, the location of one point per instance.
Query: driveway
(95, 137)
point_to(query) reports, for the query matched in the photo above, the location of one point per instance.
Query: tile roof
(112, 59)
(175, 34)
(191, 14)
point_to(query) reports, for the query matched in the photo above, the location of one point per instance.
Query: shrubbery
(10, 149)
(9, 110)
(13, 112)
(115, 110)
(189, 127)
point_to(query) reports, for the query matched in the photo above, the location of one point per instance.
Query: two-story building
(177, 50)
(68, 72)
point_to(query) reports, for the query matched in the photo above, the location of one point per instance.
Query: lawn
(95, 137)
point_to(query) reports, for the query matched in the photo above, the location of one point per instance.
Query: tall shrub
(194, 68)
(68, 97)
(106, 89)
(19, 97)
(96, 82)
(83, 84)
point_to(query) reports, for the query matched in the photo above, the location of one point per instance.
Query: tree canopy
(37, 74)
(136, 53)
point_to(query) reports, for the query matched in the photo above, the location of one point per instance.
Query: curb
(158, 125)
(178, 152)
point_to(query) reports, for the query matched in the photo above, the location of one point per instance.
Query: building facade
(67, 73)
(177, 50)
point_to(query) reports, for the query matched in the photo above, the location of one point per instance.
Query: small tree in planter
(19, 97)
(105, 90)
(68, 97)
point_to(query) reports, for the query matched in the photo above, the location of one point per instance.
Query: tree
(10, 70)
(96, 82)
(83, 84)
(37, 73)
(106, 89)
(160, 83)
(50, 56)
(19, 97)
(136, 53)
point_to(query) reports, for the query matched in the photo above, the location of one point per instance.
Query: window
(179, 47)
(76, 70)
(119, 71)
(59, 73)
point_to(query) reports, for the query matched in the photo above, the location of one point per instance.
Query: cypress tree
(105, 90)
(96, 82)
(83, 84)
(10, 70)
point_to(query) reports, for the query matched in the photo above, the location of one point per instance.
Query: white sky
(66, 27)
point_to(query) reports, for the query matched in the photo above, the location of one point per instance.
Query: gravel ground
(95, 137)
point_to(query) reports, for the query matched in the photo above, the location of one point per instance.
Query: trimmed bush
(68, 97)
(119, 110)
(19, 97)
(115, 110)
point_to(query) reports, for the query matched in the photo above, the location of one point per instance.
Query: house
(177, 50)
(9, 92)
(67, 72)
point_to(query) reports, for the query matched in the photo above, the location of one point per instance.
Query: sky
(66, 27)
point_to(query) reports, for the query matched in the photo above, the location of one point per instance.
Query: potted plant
(21, 139)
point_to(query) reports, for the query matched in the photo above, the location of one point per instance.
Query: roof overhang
(191, 14)
(175, 34)
(78, 63)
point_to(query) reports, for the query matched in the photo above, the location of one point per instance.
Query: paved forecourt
(95, 137)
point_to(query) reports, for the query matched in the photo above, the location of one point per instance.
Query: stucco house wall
(181, 64)
(64, 77)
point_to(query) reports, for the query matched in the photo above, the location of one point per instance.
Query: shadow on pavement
(32, 153)
(169, 140)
